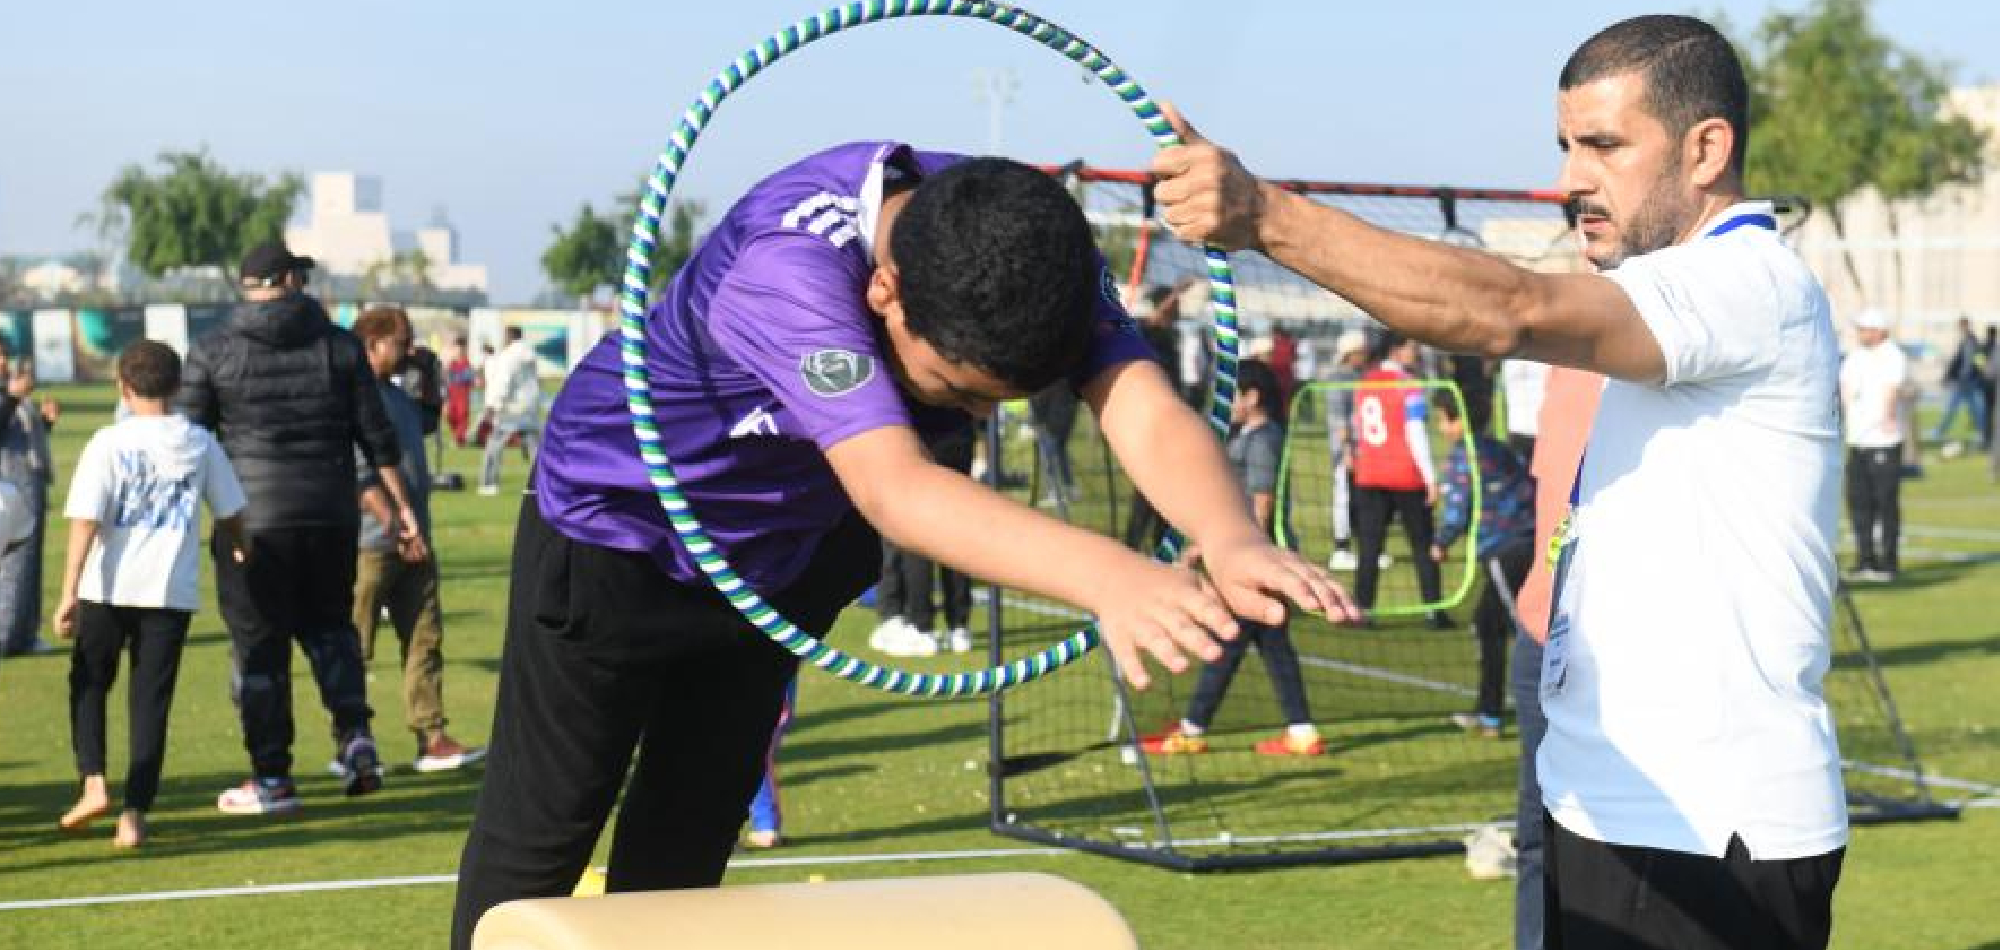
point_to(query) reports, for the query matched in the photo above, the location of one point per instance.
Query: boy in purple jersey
(845, 305)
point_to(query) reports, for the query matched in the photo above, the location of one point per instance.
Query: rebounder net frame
(1067, 766)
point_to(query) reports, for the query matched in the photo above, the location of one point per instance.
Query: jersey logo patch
(836, 372)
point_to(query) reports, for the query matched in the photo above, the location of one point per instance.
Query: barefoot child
(129, 576)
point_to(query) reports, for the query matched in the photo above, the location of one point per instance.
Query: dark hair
(150, 368)
(1256, 376)
(513, 333)
(1691, 72)
(1478, 408)
(1386, 343)
(998, 270)
(377, 322)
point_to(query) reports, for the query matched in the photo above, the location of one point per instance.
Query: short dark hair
(150, 368)
(1257, 376)
(376, 322)
(998, 270)
(1691, 72)
(1478, 408)
(1386, 342)
(513, 333)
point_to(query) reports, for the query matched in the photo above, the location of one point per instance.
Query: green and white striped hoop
(632, 336)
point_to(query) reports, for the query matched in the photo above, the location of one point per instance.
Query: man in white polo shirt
(1871, 392)
(1690, 770)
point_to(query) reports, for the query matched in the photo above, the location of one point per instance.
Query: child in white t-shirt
(131, 570)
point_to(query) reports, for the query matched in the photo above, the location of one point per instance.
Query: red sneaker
(1287, 744)
(1174, 742)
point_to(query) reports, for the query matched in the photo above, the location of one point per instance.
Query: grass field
(868, 774)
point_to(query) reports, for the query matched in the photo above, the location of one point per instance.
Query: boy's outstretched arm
(1174, 459)
(1140, 605)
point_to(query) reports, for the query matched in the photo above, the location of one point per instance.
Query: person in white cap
(1872, 376)
(1350, 360)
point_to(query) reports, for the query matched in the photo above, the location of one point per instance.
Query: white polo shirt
(1871, 379)
(1691, 634)
(1523, 382)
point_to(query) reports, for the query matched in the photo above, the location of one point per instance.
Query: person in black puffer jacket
(291, 396)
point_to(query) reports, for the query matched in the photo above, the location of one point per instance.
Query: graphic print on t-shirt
(146, 499)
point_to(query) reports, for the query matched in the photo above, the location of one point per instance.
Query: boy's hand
(1167, 611)
(1255, 578)
(66, 618)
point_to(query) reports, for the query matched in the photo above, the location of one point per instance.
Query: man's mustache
(1579, 208)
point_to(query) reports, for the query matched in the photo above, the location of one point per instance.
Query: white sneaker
(1489, 854)
(1342, 560)
(489, 489)
(961, 640)
(886, 633)
(907, 640)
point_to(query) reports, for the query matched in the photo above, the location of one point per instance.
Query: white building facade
(347, 233)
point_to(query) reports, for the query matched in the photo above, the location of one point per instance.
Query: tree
(678, 234)
(195, 213)
(405, 272)
(1837, 108)
(590, 253)
(584, 256)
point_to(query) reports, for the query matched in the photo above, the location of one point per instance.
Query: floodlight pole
(994, 88)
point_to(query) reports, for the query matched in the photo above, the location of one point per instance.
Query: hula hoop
(632, 337)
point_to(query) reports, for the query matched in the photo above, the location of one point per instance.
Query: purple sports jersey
(761, 355)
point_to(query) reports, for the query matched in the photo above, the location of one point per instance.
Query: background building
(345, 229)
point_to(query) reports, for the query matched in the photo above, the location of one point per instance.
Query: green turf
(871, 774)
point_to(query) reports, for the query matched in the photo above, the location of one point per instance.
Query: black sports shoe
(1440, 620)
(363, 765)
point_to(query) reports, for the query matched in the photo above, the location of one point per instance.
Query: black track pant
(298, 585)
(1621, 897)
(1875, 504)
(1373, 509)
(154, 638)
(605, 656)
(1494, 623)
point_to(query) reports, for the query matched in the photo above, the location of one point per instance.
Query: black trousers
(1281, 661)
(298, 585)
(1373, 509)
(1493, 623)
(909, 584)
(909, 580)
(605, 656)
(1523, 446)
(155, 638)
(1602, 896)
(1875, 504)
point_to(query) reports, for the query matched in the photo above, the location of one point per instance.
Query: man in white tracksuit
(513, 401)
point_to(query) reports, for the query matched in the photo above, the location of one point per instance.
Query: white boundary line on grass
(307, 887)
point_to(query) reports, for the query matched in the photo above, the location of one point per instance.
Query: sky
(508, 116)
